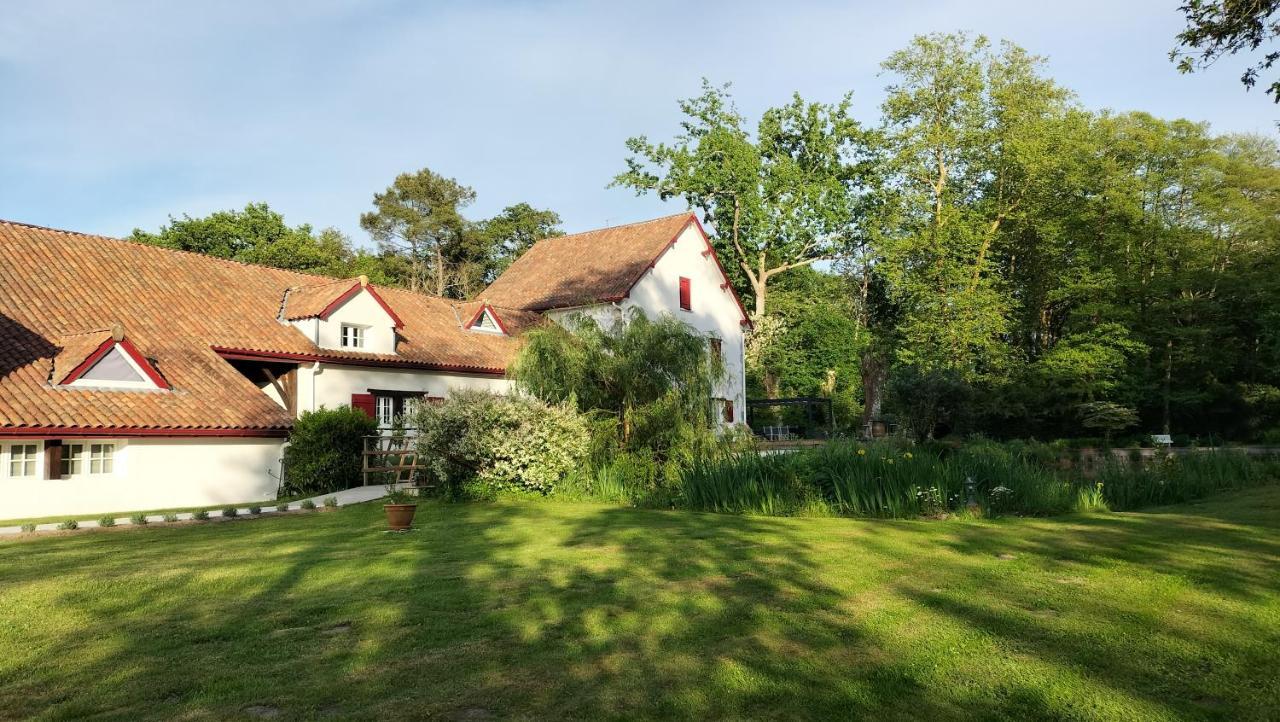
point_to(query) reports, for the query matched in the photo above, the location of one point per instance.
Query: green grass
(555, 610)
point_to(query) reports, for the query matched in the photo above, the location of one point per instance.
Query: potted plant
(400, 508)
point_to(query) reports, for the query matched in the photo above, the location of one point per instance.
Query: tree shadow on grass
(568, 611)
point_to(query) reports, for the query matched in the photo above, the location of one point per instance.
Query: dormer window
(486, 320)
(104, 360)
(352, 336)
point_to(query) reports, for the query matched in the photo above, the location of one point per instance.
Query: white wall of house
(331, 385)
(149, 473)
(714, 313)
(361, 310)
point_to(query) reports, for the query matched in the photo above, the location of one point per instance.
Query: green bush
(255, 510)
(107, 521)
(478, 443)
(308, 505)
(201, 515)
(170, 517)
(282, 507)
(331, 502)
(138, 519)
(69, 525)
(230, 512)
(28, 528)
(325, 451)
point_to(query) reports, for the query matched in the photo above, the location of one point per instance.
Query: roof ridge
(621, 225)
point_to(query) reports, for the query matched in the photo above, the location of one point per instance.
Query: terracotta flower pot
(400, 516)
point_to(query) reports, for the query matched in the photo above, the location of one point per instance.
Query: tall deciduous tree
(786, 196)
(969, 135)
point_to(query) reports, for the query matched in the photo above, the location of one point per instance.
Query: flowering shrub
(478, 443)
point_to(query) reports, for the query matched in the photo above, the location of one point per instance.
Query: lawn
(555, 610)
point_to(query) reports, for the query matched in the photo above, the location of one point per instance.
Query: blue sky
(117, 114)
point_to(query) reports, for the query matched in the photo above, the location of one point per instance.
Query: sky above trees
(116, 115)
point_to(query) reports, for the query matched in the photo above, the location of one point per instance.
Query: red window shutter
(728, 411)
(364, 402)
(686, 302)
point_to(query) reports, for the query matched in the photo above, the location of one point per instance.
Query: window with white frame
(102, 458)
(384, 410)
(352, 336)
(23, 460)
(73, 460)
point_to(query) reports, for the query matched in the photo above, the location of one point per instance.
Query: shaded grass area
(556, 610)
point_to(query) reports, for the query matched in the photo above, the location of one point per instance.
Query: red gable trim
(58, 432)
(240, 354)
(492, 314)
(349, 294)
(710, 250)
(125, 345)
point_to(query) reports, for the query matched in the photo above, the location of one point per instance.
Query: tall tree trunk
(1168, 381)
(874, 373)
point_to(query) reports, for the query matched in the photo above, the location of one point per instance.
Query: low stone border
(358, 495)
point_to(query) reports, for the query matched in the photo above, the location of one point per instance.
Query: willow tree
(786, 196)
(653, 376)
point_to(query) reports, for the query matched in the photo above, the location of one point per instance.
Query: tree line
(990, 256)
(423, 241)
(987, 256)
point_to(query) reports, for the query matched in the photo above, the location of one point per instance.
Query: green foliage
(28, 528)
(230, 512)
(1107, 417)
(331, 502)
(811, 346)
(652, 377)
(170, 518)
(419, 218)
(1217, 28)
(255, 510)
(307, 505)
(282, 507)
(138, 520)
(325, 451)
(513, 231)
(107, 521)
(786, 196)
(885, 480)
(1177, 478)
(929, 399)
(69, 525)
(200, 515)
(479, 443)
(257, 235)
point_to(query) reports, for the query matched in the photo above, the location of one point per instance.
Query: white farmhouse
(134, 377)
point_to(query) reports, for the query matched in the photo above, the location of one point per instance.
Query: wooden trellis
(394, 453)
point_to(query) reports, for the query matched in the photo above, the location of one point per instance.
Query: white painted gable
(376, 327)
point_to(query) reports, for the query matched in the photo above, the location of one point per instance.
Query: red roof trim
(241, 354)
(492, 314)
(105, 432)
(385, 306)
(351, 293)
(146, 366)
(103, 349)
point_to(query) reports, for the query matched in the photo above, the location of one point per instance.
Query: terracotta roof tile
(177, 307)
(584, 268)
